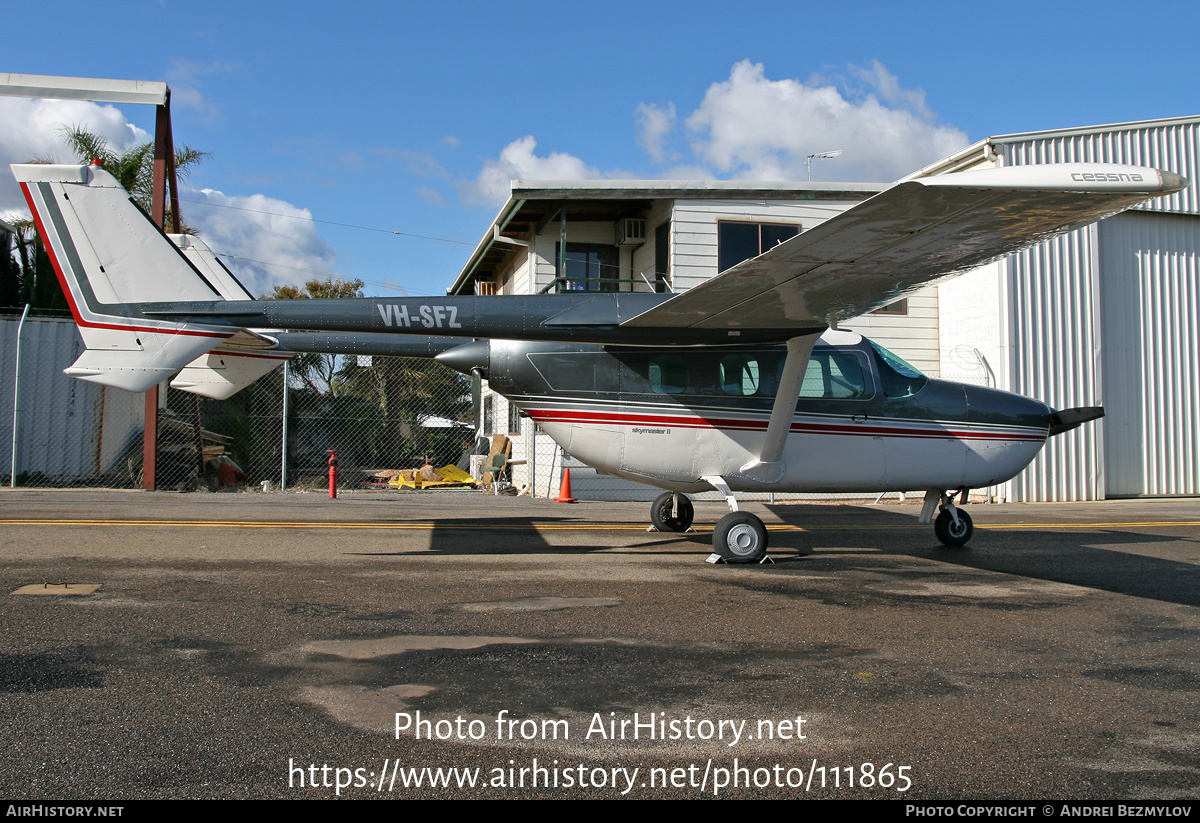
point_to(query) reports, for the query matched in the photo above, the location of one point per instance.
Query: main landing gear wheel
(660, 513)
(951, 533)
(740, 537)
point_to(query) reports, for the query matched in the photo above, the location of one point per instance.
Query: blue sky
(412, 117)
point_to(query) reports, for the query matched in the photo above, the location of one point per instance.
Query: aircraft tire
(660, 513)
(740, 537)
(948, 533)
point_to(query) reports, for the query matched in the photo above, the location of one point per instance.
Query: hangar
(1121, 296)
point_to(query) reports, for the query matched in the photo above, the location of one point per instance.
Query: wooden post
(164, 173)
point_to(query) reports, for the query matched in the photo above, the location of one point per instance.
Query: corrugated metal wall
(1150, 282)
(1053, 356)
(1109, 314)
(61, 426)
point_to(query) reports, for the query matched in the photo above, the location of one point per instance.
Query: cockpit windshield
(898, 378)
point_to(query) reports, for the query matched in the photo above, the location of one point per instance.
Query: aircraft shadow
(518, 535)
(1075, 556)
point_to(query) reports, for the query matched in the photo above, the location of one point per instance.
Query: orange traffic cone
(564, 491)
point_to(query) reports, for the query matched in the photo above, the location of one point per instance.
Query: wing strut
(769, 466)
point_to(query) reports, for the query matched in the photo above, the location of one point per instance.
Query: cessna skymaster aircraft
(737, 385)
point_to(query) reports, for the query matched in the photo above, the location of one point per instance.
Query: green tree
(26, 275)
(317, 371)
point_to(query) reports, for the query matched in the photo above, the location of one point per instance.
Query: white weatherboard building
(1107, 315)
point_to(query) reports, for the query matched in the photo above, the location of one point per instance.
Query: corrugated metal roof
(1172, 145)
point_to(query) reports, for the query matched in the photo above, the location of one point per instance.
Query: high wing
(914, 234)
(146, 306)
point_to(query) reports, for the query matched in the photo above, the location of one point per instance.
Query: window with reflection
(740, 374)
(741, 241)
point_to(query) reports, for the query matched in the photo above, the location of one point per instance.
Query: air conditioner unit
(631, 231)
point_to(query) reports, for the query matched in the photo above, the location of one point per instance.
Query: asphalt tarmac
(266, 645)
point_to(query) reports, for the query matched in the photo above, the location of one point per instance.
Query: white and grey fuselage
(865, 420)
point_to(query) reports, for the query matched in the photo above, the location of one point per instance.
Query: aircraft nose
(995, 406)
(468, 357)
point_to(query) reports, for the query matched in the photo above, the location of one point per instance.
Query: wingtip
(1172, 182)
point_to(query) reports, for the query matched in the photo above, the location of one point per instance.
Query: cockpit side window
(896, 377)
(836, 375)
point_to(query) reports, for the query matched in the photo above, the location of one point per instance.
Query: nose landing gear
(953, 526)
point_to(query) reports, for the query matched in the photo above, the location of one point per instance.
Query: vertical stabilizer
(108, 254)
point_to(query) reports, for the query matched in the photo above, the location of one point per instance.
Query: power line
(328, 222)
(392, 286)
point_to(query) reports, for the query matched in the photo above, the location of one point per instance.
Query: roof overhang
(534, 203)
(152, 92)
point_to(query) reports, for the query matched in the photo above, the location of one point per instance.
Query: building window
(741, 241)
(514, 418)
(487, 415)
(897, 307)
(590, 267)
(662, 256)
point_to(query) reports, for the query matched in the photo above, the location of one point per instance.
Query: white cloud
(264, 241)
(32, 130)
(517, 161)
(750, 127)
(654, 125)
(185, 76)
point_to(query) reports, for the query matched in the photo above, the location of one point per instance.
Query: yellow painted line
(252, 524)
(228, 524)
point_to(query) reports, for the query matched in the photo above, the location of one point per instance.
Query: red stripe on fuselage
(734, 424)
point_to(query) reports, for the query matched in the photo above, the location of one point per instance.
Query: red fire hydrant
(332, 473)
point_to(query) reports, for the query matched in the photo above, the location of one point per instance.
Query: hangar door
(1150, 350)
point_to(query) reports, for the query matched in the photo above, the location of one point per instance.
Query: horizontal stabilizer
(229, 368)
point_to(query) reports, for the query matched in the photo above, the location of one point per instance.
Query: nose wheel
(953, 526)
(952, 532)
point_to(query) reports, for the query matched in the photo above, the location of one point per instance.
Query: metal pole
(283, 449)
(12, 475)
(532, 457)
(562, 249)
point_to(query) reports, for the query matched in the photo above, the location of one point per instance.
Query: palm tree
(133, 167)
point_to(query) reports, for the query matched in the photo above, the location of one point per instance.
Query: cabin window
(833, 375)
(741, 241)
(568, 372)
(740, 375)
(590, 267)
(668, 374)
